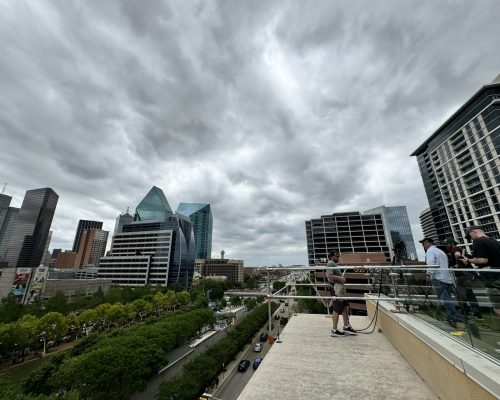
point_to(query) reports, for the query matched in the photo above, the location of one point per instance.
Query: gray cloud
(272, 112)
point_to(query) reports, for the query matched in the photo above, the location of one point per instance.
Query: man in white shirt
(442, 281)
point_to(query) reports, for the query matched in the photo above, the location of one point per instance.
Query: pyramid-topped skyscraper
(156, 248)
(153, 207)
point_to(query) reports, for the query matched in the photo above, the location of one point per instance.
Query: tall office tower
(122, 219)
(459, 164)
(201, 218)
(427, 224)
(8, 217)
(156, 248)
(27, 242)
(83, 225)
(91, 248)
(397, 229)
(348, 232)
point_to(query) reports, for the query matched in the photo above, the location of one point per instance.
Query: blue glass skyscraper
(201, 218)
(397, 226)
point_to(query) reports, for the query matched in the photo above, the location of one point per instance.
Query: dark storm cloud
(272, 112)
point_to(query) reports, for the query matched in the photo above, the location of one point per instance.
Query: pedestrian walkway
(310, 364)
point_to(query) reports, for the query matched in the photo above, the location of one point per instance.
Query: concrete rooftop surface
(309, 364)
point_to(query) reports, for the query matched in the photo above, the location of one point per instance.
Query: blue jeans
(442, 290)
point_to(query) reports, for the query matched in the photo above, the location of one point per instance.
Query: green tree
(58, 303)
(277, 285)
(116, 314)
(53, 324)
(10, 309)
(235, 301)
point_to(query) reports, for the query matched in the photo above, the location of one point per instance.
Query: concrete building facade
(348, 232)
(231, 269)
(84, 225)
(460, 167)
(91, 248)
(427, 224)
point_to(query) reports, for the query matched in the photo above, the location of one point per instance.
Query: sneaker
(337, 333)
(349, 330)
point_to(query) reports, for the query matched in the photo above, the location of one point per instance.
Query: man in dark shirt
(464, 280)
(486, 253)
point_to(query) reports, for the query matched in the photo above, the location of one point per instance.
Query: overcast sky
(272, 112)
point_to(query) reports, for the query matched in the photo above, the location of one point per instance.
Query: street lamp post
(42, 340)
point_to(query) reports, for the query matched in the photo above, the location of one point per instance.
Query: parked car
(257, 362)
(257, 347)
(243, 365)
(282, 309)
(263, 336)
(277, 316)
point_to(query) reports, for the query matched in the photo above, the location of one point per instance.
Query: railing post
(269, 301)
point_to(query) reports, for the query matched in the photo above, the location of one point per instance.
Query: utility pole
(4, 186)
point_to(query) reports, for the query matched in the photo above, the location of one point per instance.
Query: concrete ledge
(449, 368)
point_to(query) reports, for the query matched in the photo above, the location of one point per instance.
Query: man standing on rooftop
(486, 253)
(442, 282)
(334, 276)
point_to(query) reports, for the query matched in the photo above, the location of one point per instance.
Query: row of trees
(203, 369)
(32, 332)
(117, 365)
(11, 310)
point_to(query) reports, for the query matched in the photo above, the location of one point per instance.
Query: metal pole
(269, 301)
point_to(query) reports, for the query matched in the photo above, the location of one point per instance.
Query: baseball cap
(430, 240)
(471, 228)
(450, 241)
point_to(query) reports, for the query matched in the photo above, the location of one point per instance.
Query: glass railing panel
(466, 305)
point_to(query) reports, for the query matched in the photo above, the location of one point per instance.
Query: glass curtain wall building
(8, 217)
(27, 242)
(156, 248)
(460, 165)
(201, 218)
(398, 229)
(349, 232)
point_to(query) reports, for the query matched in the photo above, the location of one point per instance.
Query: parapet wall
(450, 369)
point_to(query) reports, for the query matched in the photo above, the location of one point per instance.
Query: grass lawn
(16, 374)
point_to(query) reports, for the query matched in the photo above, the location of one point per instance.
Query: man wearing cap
(486, 253)
(442, 281)
(463, 279)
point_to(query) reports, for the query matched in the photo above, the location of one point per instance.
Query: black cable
(375, 314)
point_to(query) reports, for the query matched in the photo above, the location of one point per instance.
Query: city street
(232, 386)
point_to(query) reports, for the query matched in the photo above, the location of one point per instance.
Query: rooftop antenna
(4, 186)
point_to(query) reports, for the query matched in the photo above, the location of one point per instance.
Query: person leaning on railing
(486, 253)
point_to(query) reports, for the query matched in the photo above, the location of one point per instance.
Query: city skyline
(271, 113)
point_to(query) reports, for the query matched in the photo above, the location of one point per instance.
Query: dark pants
(443, 292)
(466, 294)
